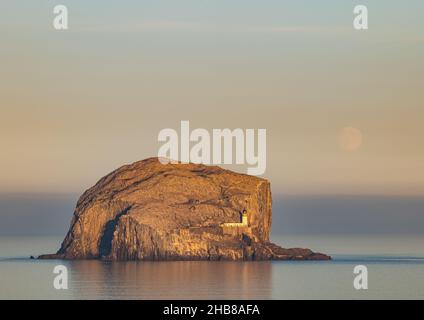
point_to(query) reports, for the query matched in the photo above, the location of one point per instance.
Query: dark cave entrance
(105, 246)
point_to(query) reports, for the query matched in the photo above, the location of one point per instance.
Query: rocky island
(153, 211)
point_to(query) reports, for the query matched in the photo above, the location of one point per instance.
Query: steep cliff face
(151, 211)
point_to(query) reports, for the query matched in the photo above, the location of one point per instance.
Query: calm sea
(395, 271)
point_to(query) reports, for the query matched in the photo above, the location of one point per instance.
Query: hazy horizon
(45, 215)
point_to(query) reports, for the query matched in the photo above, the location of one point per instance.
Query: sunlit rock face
(153, 211)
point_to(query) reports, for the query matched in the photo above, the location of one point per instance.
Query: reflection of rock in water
(171, 280)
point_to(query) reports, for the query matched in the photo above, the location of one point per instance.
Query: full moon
(350, 138)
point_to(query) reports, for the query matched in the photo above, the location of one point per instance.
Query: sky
(79, 103)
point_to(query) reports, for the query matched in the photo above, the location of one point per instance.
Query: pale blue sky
(388, 14)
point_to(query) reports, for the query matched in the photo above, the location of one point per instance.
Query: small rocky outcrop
(152, 211)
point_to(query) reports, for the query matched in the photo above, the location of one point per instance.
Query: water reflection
(171, 280)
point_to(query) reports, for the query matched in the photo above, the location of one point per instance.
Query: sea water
(395, 266)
